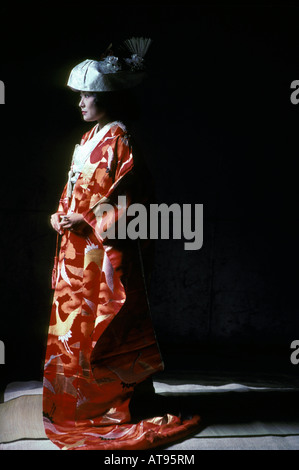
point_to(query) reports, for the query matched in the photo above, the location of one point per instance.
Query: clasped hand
(73, 222)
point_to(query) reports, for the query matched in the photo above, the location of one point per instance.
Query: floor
(239, 411)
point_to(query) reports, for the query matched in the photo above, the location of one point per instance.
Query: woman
(102, 350)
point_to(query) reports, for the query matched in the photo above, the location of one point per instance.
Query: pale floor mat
(21, 426)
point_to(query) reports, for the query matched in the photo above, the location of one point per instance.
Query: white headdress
(112, 73)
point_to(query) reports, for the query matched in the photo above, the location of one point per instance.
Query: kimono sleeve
(104, 214)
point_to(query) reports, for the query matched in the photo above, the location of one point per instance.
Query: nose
(81, 103)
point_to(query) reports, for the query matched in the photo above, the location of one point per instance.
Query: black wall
(218, 128)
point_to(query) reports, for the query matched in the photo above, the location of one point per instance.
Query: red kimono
(101, 342)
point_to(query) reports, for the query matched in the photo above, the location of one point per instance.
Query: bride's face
(90, 111)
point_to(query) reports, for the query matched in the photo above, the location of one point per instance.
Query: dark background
(217, 128)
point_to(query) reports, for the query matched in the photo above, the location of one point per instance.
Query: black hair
(119, 105)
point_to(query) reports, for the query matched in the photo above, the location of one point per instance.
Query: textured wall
(218, 129)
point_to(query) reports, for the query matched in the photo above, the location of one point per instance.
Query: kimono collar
(82, 153)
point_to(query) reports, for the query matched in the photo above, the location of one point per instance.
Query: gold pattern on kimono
(61, 328)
